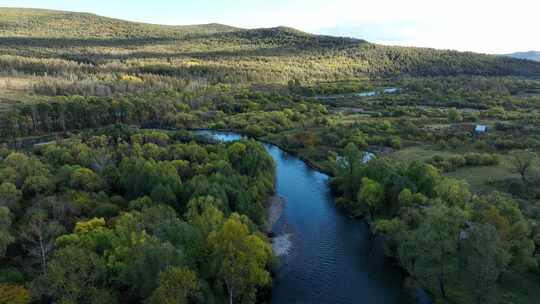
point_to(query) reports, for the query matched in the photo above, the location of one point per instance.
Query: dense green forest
(139, 215)
(107, 209)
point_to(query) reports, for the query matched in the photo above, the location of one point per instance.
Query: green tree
(429, 252)
(242, 258)
(521, 245)
(74, 276)
(425, 176)
(162, 222)
(177, 285)
(236, 151)
(140, 177)
(163, 194)
(29, 174)
(348, 170)
(454, 192)
(9, 196)
(5, 225)
(406, 197)
(522, 162)
(38, 184)
(371, 196)
(204, 213)
(504, 213)
(454, 115)
(144, 263)
(360, 139)
(15, 159)
(85, 179)
(484, 260)
(39, 234)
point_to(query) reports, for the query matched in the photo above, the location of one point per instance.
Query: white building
(480, 129)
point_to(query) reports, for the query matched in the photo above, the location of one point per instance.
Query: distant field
(16, 83)
(477, 177)
(419, 153)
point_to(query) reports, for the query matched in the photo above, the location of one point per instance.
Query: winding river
(332, 258)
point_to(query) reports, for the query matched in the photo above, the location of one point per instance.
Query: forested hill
(55, 24)
(531, 55)
(43, 42)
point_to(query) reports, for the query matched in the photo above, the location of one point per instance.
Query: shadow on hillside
(221, 45)
(86, 42)
(269, 37)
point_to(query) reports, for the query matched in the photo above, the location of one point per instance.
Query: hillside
(531, 55)
(59, 24)
(42, 42)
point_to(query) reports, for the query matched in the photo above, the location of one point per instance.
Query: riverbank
(275, 210)
(281, 244)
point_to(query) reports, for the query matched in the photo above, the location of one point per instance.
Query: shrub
(14, 294)
(457, 161)
(106, 210)
(395, 142)
(481, 159)
(11, 275)
(85, 179)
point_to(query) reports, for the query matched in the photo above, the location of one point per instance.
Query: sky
(485, 26)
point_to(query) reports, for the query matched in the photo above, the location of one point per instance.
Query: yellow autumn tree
(14, 294)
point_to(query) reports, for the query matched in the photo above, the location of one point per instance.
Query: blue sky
(488, 26)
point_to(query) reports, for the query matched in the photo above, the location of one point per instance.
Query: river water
(332, 258)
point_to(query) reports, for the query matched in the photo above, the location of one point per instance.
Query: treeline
(241, 108)
(471, 92)
(132, 216)
(107, 85)
(454, 162)
(452, 242)
(76, 112)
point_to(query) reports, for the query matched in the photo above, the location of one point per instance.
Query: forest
(107, 197)
(140, 215)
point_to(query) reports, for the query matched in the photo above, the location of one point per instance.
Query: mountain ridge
(222, 52)
(31, 22)
(529, 55)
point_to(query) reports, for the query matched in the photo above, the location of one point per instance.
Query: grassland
(480, 178)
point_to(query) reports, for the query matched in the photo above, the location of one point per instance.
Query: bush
(395, 142)
(106, 210)
(11, 275)
(85, 179)
(14, 294)
(346, 204)
(481, 159)
(437, 158)
(119, 201)
(457, 161)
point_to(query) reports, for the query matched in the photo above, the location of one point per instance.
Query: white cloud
(494, 26)
(483, 26)
(490, 26)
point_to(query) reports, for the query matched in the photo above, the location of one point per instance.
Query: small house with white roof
(480, 129)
